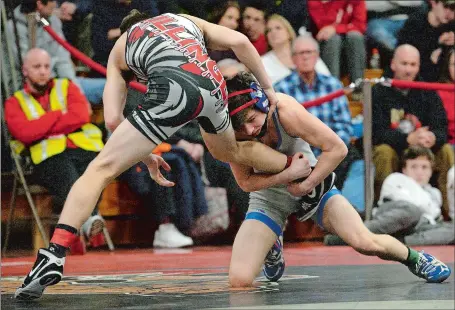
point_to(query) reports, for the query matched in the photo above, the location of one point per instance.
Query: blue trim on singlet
(275, 120)
(322, 204)
(261, 217)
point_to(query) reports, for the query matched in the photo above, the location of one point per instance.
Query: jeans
(353, 46)
(93, 88)
(384, 31)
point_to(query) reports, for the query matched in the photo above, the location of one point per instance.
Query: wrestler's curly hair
(240, 81)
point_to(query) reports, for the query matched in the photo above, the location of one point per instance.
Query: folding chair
(22, 169)
(22, 164)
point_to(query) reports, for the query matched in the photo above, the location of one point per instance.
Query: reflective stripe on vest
(89, 138)
(59, 94)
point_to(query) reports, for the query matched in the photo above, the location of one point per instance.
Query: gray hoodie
(62, 65)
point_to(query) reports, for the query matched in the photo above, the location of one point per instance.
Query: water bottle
(375, 60)
(357, 126)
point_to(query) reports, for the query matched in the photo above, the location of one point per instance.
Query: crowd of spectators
(307, 48)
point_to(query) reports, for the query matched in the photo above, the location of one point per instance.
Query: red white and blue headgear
(258, 99)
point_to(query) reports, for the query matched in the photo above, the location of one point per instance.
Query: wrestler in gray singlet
(276, 203)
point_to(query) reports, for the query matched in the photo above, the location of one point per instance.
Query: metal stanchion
(368, 148)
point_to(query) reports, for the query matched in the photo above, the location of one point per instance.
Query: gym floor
(316, 277)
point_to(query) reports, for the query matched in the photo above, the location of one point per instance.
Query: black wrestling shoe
(48, 270)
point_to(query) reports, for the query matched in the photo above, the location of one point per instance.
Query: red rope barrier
(312, 103)
(323, 99)
(142, 88)
(422, 85)
(86, 60)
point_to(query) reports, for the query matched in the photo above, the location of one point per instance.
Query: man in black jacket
(432, 33)
(404, 117)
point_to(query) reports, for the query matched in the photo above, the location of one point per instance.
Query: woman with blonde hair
(278, 61)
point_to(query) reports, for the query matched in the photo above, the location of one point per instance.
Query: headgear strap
(258, 96)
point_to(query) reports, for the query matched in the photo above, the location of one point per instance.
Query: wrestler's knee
(240, 278)
(103, 167)
(241, 274)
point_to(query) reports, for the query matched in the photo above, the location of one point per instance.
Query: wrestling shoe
(274, 261)
(310, 202)
(430, 268)
(48, 270)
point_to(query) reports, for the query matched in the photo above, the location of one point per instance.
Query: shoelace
(426, 266)
(274, 256)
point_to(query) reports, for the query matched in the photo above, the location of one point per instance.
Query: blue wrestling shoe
(274, 262)
(430, 268)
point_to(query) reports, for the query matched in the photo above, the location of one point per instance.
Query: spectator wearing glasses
(305, 83)
(278, 61)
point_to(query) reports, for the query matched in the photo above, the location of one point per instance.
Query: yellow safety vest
(89, 138)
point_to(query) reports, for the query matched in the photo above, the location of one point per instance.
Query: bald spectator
(50, 121)
(407, 117)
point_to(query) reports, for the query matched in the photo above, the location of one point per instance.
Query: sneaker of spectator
(53, 130)
(168, 236)
(92, 230)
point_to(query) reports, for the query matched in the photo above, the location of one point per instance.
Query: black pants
(219, 174)
(159, 199)
(58, 174)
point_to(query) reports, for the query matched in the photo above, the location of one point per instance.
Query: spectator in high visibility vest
(49, 120)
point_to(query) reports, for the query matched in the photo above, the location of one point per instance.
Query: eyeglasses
(304, 53)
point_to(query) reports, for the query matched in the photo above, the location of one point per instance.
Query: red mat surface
(206, 259)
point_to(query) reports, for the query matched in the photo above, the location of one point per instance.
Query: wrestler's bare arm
(115, 91)
(298, 122)
(250, 181)
(222, 38)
